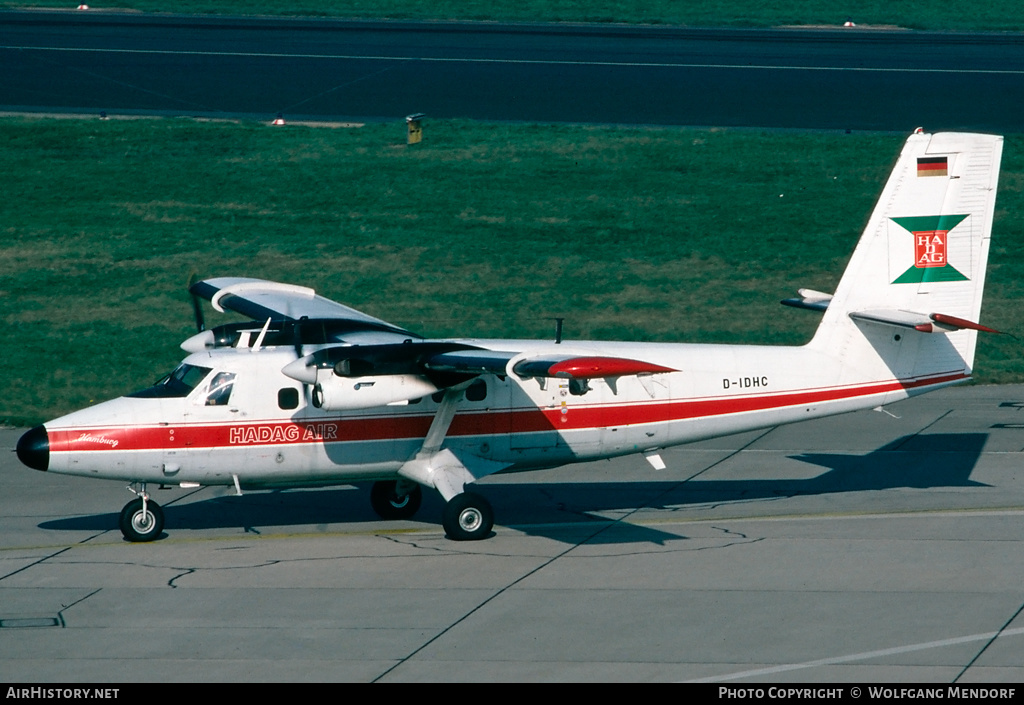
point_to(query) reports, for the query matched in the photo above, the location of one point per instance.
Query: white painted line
(859, 657)
(637, 64)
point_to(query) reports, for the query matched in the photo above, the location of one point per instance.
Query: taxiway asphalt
(871, 547)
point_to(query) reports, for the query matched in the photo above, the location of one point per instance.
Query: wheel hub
(142, 522)
(470, 519)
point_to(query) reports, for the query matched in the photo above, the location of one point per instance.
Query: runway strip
(351, 71)
(525, 62)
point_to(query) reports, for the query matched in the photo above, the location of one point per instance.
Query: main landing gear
(395, 499)
(142, 519)
(466, 517)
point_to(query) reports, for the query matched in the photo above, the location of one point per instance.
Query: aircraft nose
(34, 449)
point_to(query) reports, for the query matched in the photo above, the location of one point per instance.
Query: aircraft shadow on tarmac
(567, 511)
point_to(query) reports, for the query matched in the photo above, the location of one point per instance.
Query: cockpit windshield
(179, 383)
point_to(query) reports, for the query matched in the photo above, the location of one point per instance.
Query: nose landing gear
(141, 519)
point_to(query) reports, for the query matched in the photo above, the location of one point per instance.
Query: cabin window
(219, 391)
(288, 398)
(477, 391)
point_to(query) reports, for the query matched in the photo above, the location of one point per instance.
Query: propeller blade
(197, 308)
(297, 337)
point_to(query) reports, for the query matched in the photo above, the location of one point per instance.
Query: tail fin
(908, 304)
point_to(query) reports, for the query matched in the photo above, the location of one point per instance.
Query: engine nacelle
(335, 393)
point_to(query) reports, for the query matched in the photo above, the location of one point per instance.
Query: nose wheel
(141, 520)
(468, 517)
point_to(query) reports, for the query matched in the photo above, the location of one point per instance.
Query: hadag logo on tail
(311, 392)
(931, 236)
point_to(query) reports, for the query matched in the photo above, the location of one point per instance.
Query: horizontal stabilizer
(809, 299)
(955, 323)
(924, 323)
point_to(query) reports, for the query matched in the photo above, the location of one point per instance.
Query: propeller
(203, 338)
(197, 309)
(310, 390)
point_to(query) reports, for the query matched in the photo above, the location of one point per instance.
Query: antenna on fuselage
(263, 334)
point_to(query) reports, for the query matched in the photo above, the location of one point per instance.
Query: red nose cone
(34, 449)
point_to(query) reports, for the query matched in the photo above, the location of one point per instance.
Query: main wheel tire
(468, 517)
(388, 504)
(138, 526)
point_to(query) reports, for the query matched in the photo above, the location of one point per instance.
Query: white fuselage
(265, 432)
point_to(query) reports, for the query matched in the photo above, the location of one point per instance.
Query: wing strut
(440, 468)
(442, 420)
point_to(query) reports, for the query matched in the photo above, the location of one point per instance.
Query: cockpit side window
(219, 391)
(178, 383)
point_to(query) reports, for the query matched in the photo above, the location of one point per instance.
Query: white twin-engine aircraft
(311, 392)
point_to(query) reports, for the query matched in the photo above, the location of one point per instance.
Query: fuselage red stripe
(492, 422)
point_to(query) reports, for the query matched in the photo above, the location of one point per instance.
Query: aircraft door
(213, 403)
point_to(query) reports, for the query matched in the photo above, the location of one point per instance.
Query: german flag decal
(932, 166)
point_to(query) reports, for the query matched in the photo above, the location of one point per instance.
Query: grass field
(492, 230)
(646, 234)
(998, 15)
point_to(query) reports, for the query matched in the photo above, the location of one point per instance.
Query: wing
(300, 314)
(355, 345)
(260, 299)
(452, 361)
(561, 366)
(585, 367)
